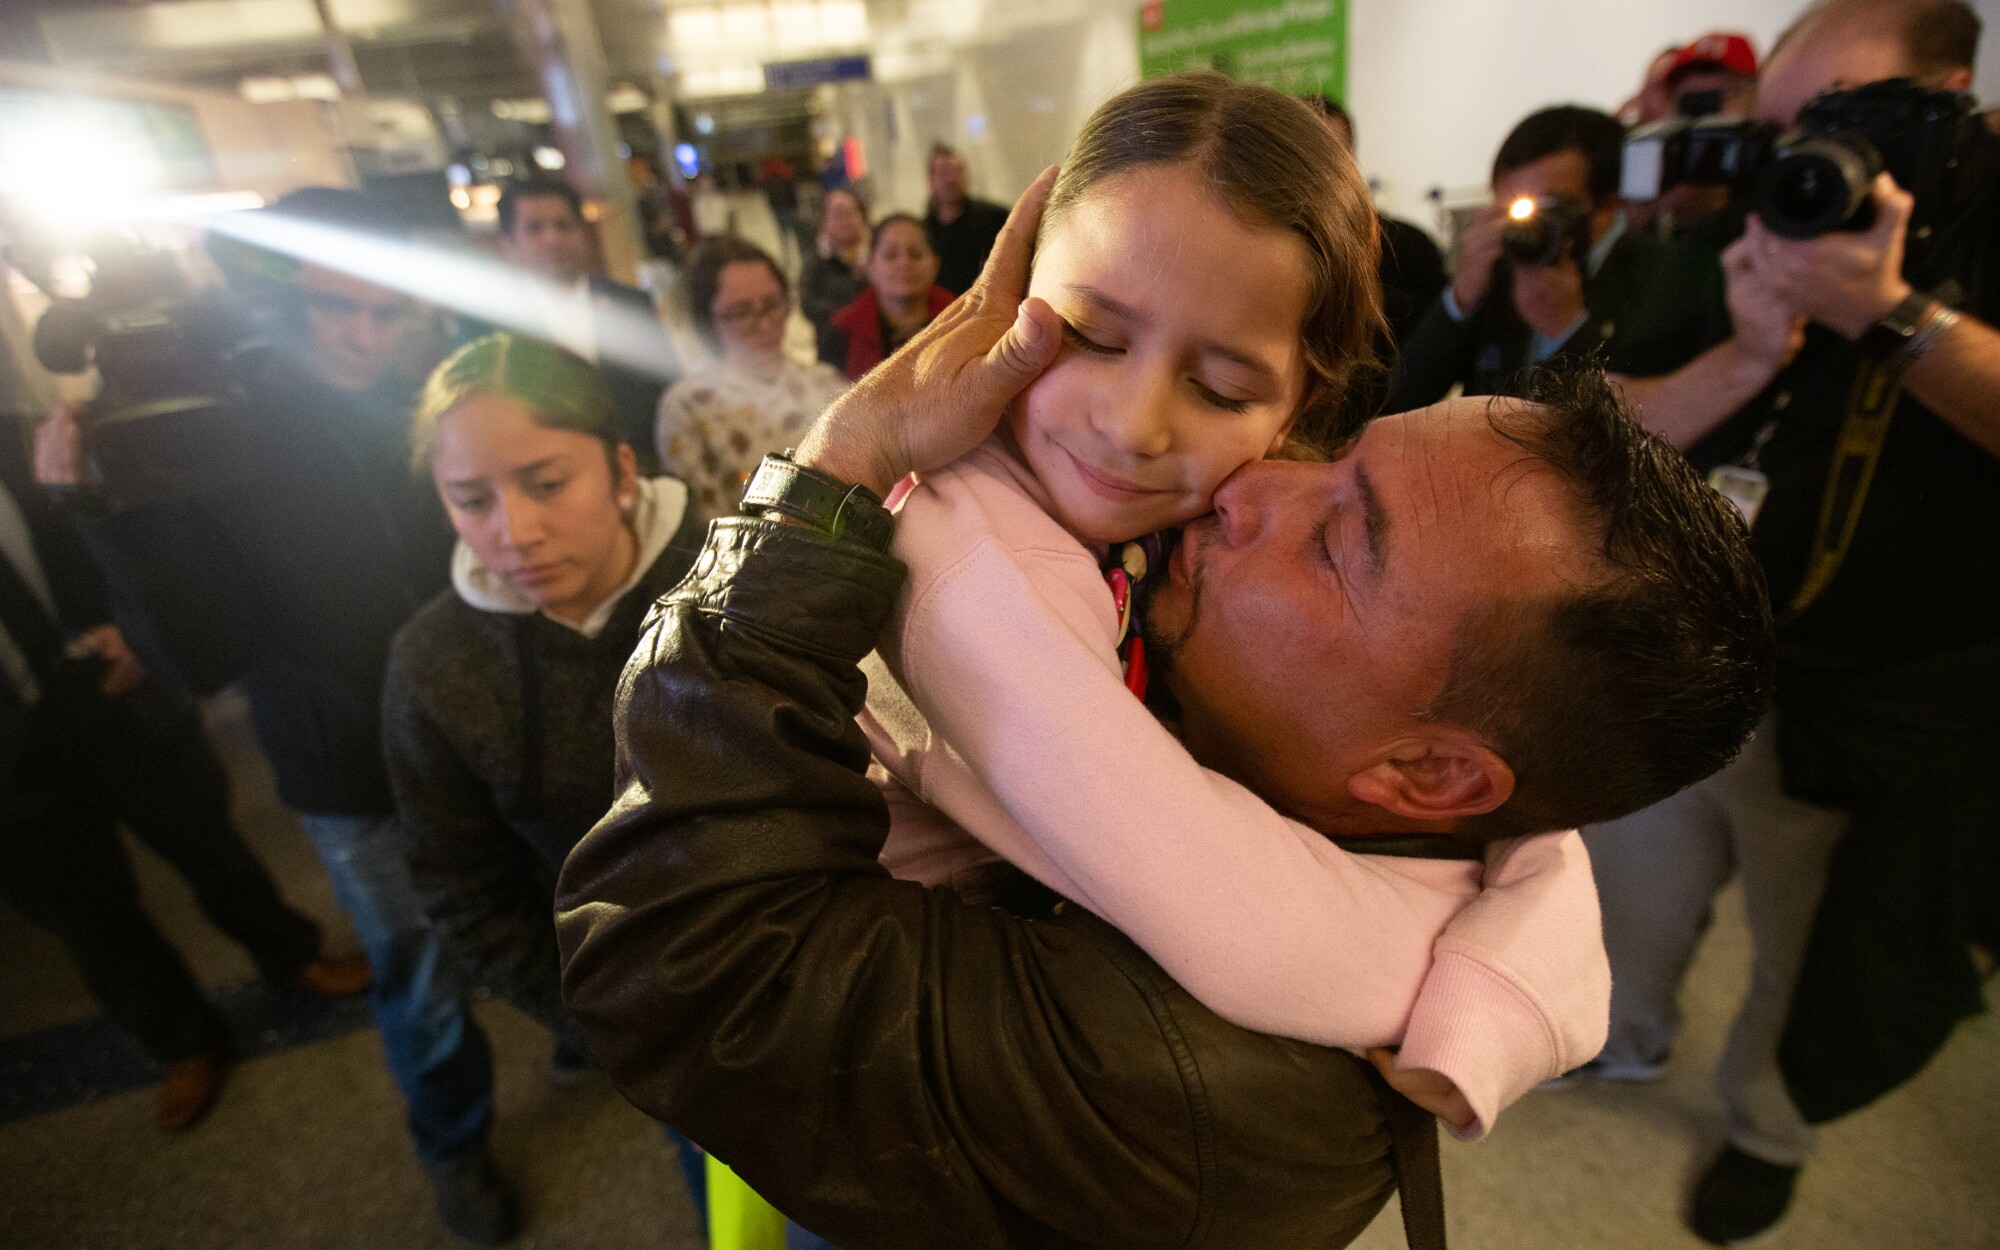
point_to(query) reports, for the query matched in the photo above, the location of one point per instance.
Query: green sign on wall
(1297, 46)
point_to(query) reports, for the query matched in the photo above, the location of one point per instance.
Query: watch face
(1904, 319)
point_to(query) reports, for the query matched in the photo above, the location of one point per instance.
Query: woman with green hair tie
(497, 707)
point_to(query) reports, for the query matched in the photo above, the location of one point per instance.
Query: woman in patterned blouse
(719, 420)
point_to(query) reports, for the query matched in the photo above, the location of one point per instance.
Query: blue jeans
(437, 1052)
(688, 1157)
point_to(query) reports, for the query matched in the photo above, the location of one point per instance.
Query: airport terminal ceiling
(442, 48)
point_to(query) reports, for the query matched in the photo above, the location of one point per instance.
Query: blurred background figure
(717, 423)
(1652, 102)
(291, 574)
(1852, 413)
(1412, 267)
(903, 295)
(781, 192)
(666, 213)
(497, 706)
(1721, 66)
(542, 230)
(87, 741)
(837, 273)
(1715, 76)
(961, 226)
(1547, 271)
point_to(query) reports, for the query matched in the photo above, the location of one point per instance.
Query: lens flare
(1521, 209)
(461, 280)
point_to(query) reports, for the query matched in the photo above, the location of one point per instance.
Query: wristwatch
(818, 501)
(1906, 332)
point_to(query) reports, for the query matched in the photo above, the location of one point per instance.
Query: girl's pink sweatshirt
(997, 706)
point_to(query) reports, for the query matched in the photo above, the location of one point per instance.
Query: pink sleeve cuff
(1482, 1029)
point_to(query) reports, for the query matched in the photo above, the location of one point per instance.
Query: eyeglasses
(749, 314)
(383, 314)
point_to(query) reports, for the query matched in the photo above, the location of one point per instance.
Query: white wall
(1435, 85)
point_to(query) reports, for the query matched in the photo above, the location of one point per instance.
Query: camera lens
(1819, 185)
(1536, 241)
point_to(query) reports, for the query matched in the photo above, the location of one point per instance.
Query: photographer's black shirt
(1922, 575)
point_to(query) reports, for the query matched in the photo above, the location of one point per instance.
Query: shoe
(190, 1089)
(334, 978)
(473, 1200)
(1739, 1197)
(1626, 1071)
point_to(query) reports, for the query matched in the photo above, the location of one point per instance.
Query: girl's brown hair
(563, 390)
(1274, 164)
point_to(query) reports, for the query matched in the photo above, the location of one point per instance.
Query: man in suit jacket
(612, 325)
(1500, 317)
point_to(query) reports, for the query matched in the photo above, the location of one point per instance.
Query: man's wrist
(1871, 314)
(839, 451)
(806, 495)
(1751, 369)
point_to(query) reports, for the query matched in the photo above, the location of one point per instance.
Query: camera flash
(1521, 209)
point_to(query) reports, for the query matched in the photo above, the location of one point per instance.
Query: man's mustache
(1162, 645)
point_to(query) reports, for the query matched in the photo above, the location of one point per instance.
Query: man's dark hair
(1567, 128)
(257, 267)
(943, 149)
(1613, 697)
(704, 277)
(534, 189)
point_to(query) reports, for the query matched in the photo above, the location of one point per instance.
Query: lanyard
(1863, 431)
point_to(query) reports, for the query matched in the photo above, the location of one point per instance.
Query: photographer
(1854, 415)
(87, 743)
(292, 573)
(1547, 270)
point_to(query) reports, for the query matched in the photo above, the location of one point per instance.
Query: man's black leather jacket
(889, 1065)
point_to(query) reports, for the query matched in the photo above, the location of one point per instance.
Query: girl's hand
(945, 391)
(1433, 1091)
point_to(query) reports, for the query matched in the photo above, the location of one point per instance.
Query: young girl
(1210, 251)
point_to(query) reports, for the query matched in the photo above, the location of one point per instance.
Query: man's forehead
(1447, 465)
(546, 208)
(318, 278)
(1835, 54)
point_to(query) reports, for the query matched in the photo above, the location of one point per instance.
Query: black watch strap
(835, 508)
(1892, 334)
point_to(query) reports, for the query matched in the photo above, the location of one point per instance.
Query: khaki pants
(1658, 872)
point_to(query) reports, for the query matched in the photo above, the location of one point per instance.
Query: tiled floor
(306, 1148)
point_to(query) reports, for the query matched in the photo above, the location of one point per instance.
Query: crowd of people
(1650, 518)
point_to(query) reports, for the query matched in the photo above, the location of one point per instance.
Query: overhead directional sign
(791, 75)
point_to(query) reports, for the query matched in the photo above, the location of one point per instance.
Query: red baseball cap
(1720, 48)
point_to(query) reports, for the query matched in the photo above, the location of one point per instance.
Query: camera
(1815, 178)
(169, 420)
(1540, 231)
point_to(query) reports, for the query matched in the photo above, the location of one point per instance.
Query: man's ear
(1438, 778)
(1958, 80)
